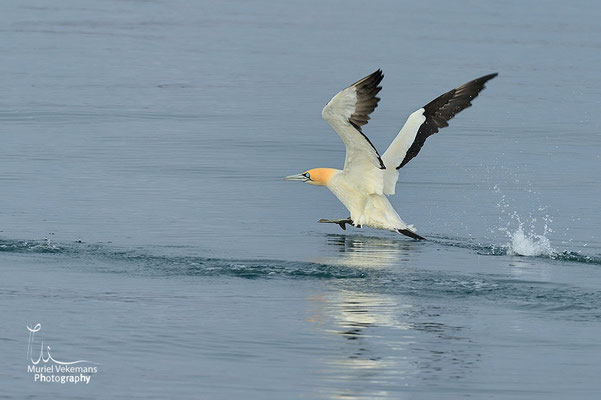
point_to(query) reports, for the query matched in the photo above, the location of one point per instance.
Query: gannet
(367, 178)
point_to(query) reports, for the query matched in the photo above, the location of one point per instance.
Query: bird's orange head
(316, 176)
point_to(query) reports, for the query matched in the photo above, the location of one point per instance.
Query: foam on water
(34, 246)
(148, 262)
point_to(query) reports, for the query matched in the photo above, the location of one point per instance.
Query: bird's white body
(368, 178)
(367, 209)
(364, 194)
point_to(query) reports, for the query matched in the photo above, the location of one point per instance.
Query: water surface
(145, 225)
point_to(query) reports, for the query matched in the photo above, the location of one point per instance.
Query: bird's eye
(306, 175)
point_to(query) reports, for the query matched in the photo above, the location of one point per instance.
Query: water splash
(529, 244)
(525, 241)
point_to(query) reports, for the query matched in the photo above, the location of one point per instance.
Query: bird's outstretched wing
(347, 112)
(425, 122)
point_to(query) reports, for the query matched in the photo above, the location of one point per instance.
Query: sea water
(145, 227)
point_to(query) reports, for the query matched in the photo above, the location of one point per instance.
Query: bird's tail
(411, 234)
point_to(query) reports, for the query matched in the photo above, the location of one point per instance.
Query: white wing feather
(346, 112)
(395, 154)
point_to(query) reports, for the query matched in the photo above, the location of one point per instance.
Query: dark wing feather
(442, 109)
(367, 89)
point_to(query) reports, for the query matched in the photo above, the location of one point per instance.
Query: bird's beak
(297, 177)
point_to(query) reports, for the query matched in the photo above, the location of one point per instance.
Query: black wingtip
(372, 79)
(377, 77)
(411, 234)
(486, 78)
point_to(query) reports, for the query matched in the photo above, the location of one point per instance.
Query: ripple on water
(580, 303)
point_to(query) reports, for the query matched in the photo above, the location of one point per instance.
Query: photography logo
(46, 369)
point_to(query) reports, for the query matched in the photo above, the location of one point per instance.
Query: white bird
(366, 179)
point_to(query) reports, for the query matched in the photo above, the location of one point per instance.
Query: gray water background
(145, 224)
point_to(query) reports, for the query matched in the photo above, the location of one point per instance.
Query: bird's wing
(425, 122)
(347, 112)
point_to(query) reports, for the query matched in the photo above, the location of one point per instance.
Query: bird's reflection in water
(369, 251)
(361, 357)
(390, 340)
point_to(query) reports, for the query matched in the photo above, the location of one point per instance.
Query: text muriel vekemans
(61, 373)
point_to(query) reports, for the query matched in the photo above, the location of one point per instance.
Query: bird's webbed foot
(341, 222)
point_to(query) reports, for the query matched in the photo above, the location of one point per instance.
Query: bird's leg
(341, 222)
